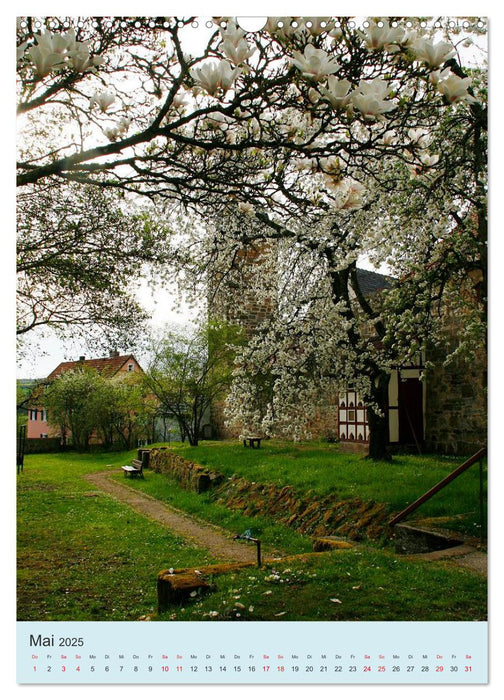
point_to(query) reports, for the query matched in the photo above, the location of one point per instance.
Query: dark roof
(108, 366)
(371, 282)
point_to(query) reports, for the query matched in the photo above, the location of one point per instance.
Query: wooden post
(453, 475)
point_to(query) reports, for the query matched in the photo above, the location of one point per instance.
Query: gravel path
(215, 540)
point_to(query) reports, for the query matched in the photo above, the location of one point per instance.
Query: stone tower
(244, 294)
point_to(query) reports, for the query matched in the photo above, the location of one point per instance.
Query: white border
(258, 8)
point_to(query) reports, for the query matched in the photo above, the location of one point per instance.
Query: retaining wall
(310, 514)
(191, 476)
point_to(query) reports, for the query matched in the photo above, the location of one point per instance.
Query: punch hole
(251, 24)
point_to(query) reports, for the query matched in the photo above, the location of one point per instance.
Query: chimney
(82, 358)
(114, 353)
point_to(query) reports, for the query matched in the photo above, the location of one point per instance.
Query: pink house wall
(37, 426)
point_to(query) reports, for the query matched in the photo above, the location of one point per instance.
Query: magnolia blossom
(348, 192)
(336, 35)
(246, 208)
(111, 132)
(429, 160)
(330, 165)
(237, 53)
(54, 52)
(123, 125)
(20, 51)
(103, 100)
(80, 60)
(216, 120)
(232, 32)
(78, 54)
(306, 164)
(368, 98)
(180, 100)
(436, 75)
(389, 138)
(119, 129)
(314, 63)
(432, 54)
(47, 54)
(234, 44)
(420, 137)
(420, 170)
(215, 77)
(54, 43)
(44, 61)
(377, 36)
(337, 92)
(455, 89)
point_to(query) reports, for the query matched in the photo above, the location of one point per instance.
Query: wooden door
(411, 428)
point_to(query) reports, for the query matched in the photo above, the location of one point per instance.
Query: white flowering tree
(296, 136)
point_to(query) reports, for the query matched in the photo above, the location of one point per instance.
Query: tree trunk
(378, 420)
(193, 434)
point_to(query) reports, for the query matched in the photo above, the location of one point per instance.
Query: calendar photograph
(252, 349)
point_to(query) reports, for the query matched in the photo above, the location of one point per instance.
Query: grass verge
(277, 538)
(322, 470)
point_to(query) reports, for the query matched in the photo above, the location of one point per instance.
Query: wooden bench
(135, 469)
(251, 441)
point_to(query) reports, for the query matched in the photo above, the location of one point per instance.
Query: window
(43, 435)
(33, 414)
(131, 367)
(43, 415)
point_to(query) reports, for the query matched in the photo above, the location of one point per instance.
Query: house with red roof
(38, 424)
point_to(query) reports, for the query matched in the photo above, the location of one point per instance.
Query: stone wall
(310, 514)
(189, 475)
(456, 404)
(218, 422)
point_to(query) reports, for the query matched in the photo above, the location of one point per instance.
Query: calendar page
(252, 370)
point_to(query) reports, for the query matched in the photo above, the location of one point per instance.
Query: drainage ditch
(411, 539)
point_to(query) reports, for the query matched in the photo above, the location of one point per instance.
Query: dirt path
(220, 544)
(463, 555)
(216, 541)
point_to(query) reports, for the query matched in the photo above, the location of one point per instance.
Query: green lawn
(84, 556)
(361, 584)
(81, 554)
